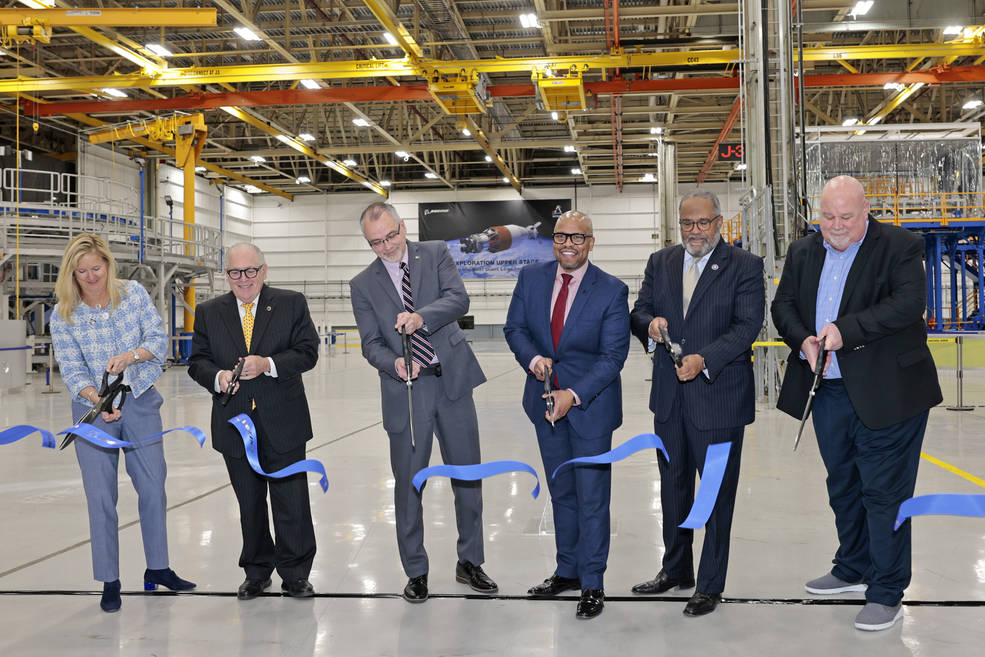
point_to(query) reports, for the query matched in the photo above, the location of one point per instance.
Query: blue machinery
(961, 250)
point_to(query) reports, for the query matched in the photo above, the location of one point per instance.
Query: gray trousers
(147, 470)
(456, 427)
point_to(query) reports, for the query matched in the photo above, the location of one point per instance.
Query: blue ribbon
(100, 438)
(244, 425)
(941, 505)
(13, 434)
(631, 446)
(716, 458)
(475, 472)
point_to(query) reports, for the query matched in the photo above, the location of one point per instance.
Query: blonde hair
(67, 293)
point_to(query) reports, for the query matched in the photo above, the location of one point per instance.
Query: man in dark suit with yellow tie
(415, 287)
(710, 297)
(271, 331)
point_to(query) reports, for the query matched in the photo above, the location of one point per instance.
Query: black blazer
(283, 331)
(886, 365)
(726, 314)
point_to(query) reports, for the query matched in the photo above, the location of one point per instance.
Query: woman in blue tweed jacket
(101, 325)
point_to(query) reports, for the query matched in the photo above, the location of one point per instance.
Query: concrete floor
(783, 534)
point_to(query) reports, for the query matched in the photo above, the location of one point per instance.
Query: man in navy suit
(569, 321)
(710, 297)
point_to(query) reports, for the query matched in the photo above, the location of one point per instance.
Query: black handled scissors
(108, 393)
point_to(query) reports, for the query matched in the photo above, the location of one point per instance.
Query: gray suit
(443, 405)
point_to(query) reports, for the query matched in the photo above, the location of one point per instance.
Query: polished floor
(783, 534)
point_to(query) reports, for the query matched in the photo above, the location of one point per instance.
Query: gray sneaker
(829, 585)
(875, 616)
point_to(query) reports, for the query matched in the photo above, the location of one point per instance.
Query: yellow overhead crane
(22, 24)
(188, 132)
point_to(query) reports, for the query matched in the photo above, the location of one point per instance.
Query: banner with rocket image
(493, 239)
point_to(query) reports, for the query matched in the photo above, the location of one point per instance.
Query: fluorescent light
(159, 50)
(849, 121)
(505, 179)
(116, 93)
(861, 8)
(648, 177)
(568, 148)
(362, 123)
(741, 166)
(466, 132)
(874, 120)
(385, 183)
(389, 38)
(403, 154)
(309, 83)
(253, 189)
(576, 172)
(200, 169)
(430, 175)
(893, 86)
(246, 33)
(954, 29)
(306, 136)
(284, 138)
(656, 130)
(488, 158)
(350, 163)
(528, 21)
(554, 115)
(302, 180)
(653, 154)
(259, 159)
(972, 104)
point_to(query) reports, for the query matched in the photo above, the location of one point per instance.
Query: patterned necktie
(690, 282)
(420, 346)
(557, 316)
(248, 324)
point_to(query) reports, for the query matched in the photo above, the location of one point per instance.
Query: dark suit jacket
(590, 353)
(283, 331)
(440, 298)
(887, 368)
(725, 316)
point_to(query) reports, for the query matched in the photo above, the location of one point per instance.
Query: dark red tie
(557, 316)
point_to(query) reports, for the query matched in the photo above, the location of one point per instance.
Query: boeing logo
(436, 211)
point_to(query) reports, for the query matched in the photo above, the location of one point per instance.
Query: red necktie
(557, 316)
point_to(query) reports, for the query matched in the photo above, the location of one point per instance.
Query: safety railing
(922, 209)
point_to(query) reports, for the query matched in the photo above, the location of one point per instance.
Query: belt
(432, 370)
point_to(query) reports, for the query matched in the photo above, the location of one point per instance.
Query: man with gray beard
(709, 296)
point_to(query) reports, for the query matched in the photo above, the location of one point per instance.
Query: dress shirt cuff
(705, 372)
(534, 361)
(273, 368)
(216, 385)
(651, 345)
(575, 395)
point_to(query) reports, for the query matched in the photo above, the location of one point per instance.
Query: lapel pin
(268, 307)
(713, 268)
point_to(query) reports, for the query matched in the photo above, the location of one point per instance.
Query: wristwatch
(136, 356)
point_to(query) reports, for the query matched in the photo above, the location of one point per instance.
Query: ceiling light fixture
(893, 86)
(309, 83)
(648, 177)
(953, 29)
(861, 8)
(246, 33)
(350, 163)
(306, 136)
(385, 183)
(849, 121)
(488, 158)
(259, 159)
(159, 50)
(974, 103)
(568, 148)
(302, 180)
(430, 175)
(200, 169)
(741, 166)
(576, 172)
(116, 93)
(554, 116)
(403, 154)
(361, 122)
(656, 130)
(528, 21)
(505, 179)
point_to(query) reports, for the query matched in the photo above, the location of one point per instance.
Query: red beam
(419, 92)
(722, 136)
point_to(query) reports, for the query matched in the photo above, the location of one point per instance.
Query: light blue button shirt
(84, 346)
(830, 289)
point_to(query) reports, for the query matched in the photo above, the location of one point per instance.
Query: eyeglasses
(576, 238)
(392, 235)
(702, 223)
(249, 272)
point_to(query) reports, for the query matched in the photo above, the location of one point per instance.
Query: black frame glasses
(392, 235)
(249, 272)
(702, 223)
(576, 238)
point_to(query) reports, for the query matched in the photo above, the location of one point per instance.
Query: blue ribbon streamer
(941, 505)
(631, 446)
(244, 425)
(13, 434)
(100, 438)
(716, 458)
(475, 472)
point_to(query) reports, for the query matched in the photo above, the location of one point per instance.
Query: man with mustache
(860, 286)
(710, 298)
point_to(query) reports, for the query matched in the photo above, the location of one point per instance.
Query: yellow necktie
(248, 324)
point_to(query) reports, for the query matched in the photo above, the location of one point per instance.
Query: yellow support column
(189, 139)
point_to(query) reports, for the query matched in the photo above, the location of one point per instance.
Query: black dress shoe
(251, 588)
(591, 603)
(297, 588)
(166, 578)
(468, 573)
(661, 583)
(416, 589)
(702, 603)
(111, 600)
(553, 585)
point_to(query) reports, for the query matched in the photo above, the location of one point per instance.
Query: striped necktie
(420, 346)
